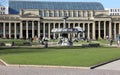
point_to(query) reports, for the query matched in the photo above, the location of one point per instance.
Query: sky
(106, 3)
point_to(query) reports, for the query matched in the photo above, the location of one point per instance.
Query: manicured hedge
(91, 45)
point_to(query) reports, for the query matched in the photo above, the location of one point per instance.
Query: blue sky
(106, 3)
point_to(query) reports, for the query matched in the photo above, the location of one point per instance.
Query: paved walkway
(16, 70)
(111, 66)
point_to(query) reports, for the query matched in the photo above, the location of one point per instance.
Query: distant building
(3, 10)
(114, 11)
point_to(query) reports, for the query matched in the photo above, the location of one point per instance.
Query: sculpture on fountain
(64, 40)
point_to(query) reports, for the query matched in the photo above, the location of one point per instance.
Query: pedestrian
(118, 42)
(12, 44)
(111, 41)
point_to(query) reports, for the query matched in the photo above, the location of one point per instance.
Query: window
(79, 14)
(110, 10)
(41, 13)
(46, 13)
(3, 8)
(74, 13)
(85, 14)
(110, 14)
(71, 13)
(56, 13)
(3, 12)
(65, 13)
(60, 14)
(50, 14)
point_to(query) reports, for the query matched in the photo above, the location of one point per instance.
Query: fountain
(64, 40)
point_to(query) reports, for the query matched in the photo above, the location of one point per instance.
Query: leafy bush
(94, 45)
(91, 45)
(27, 44)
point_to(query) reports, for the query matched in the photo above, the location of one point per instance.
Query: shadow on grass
(20, 50)
(9, 50)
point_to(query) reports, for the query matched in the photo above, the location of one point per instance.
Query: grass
(73, 56)
(16, 41)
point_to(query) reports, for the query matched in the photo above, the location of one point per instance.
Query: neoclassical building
(113, 11)
(27, 19)
(3, 9)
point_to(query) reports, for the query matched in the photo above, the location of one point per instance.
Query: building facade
(113, 11)
(27, 19)
(3, 10)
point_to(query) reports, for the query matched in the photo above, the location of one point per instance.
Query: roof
(16, 6)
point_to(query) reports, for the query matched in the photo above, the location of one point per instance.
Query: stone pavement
(108, 69)
(111, 66)
(27, 70)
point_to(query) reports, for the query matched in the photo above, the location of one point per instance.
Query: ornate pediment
(102, 16)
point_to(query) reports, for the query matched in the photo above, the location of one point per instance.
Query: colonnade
(93, 30)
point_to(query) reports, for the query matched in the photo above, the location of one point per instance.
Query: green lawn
(16, 41)
(73, 56)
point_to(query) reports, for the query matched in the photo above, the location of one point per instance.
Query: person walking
(118, 43)
(111, 41)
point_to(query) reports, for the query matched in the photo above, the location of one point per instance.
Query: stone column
(54, 33)
(83, 30)
(79, 33)
(69, 27)
(26, 29)
(88, 31)
(76, 13)
(110, 31)
(32, 29)
(21, 30)
(72, 13)
(73, 27)
(4, 35)
(53, 13)
(59, 28)
(99, 36)
(49, 30)
(114, 30)
(86, 14)
(93, 31)
(43, 13)
(68, 13)
(48, 13)
(63, 13)
(104, 30)
(38, 29)
(9, 30)
(81, 12)
(43, 29)
(15, 35)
